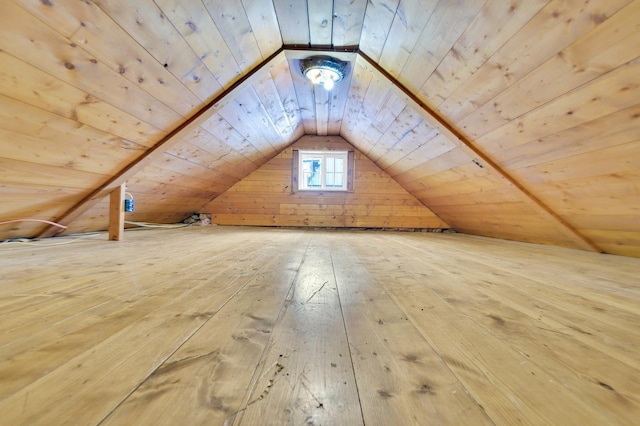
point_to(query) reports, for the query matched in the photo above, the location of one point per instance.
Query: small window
(322, 170)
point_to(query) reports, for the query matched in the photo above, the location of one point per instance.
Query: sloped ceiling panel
(434, 166)
(548, 90)
(545, 90)
(236, 136)
(321, 22)
(88, 87)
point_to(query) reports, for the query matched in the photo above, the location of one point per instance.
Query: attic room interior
(407, 212)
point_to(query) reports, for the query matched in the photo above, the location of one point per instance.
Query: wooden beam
(325, 49)
(463, 141)
(159, 148)
(116, 213)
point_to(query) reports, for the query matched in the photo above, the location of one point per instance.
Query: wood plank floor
(253, 326)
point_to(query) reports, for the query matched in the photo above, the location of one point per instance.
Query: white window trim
(324, 154)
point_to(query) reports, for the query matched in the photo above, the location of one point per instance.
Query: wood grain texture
(348, 16)
(293, 18)
(545, 90)
(196, 26)
(461, 160)
(378, 20)
(301, 379)
(265, 197)
(247, 325)
(116, 213)
(388, 350)
(507, 103)
(244, 139)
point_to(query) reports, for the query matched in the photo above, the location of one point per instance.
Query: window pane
(330, 164)
(314, 175)
(311, 172)
(330, 179)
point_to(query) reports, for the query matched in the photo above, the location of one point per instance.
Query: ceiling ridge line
(353, 48)
(466, 142)
(168, 140)
(158, 149)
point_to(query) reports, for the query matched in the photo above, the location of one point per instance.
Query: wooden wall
(546, 90)
(264, 197)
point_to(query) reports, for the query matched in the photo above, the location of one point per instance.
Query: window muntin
(322, 170)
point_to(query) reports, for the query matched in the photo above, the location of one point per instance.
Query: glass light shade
(323, 76)
(323, 70)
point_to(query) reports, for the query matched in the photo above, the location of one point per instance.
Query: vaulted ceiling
(516, 120)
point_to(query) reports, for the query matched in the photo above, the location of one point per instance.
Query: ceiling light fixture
(323, 70)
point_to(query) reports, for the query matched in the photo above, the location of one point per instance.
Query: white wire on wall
(75, 237)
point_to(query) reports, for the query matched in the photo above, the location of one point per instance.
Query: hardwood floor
(230, 326)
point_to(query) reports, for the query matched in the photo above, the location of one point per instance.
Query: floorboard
(246, 326)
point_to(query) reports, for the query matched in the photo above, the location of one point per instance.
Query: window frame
(297, 169)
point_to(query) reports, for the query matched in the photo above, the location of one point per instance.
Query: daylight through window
(320, 170)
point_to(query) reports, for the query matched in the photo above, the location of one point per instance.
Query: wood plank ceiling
(517, 120)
